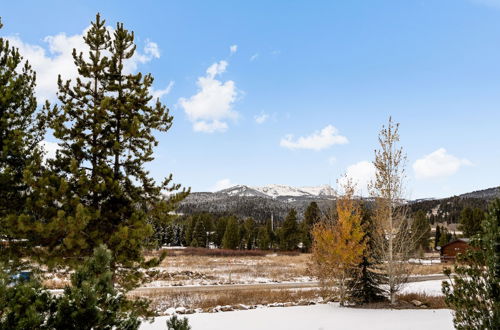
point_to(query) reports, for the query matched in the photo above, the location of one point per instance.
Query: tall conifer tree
(367, 279)
(422, 231)
(289, 237)
(231, 237)
(21, 130)
(311, 217)
(97, 190)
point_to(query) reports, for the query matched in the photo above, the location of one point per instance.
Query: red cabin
(449, 251)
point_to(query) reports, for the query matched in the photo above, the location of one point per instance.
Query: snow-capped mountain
(261, 203)
(277, 190)
(242, 190)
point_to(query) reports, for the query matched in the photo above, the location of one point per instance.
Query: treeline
(257, 208)
(448, 210)
(440, 211)
(212, 230)
(232, 232)
(470, 220)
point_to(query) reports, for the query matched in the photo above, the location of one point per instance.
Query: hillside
(261, 203)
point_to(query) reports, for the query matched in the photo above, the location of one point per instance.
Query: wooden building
(449, 251)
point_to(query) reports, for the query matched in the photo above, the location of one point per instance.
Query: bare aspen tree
(393, 238)
(338, 243)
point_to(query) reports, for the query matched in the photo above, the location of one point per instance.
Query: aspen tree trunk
(394, 241)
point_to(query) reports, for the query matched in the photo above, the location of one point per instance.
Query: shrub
(473, 292)
(91, 302)
(174, 323)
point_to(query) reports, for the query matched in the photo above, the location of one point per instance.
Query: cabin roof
(463, 240)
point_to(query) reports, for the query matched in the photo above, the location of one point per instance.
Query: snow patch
(321, 317)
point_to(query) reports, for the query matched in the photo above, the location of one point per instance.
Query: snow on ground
(316, 317)
(428, 261)
(431, 288)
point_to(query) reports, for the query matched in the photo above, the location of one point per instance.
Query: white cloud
(50, 149)
(222, 184)
(216, 69)
(54, 57)
(262, 118)
(213, 104)
(319, 140)
(151, 50)
(438, 164)
(361, 174)
(254, 57)
(233, 49)
(210, 127)
(159, 93)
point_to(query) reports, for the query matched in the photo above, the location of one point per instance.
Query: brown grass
(55, 284)
(433, 302)
(208, 300)
(239, 269)
(428, 269)
(191, 251)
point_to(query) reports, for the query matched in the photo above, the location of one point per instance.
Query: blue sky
(300, 97)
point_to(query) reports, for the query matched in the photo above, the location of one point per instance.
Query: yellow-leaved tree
(338, 243)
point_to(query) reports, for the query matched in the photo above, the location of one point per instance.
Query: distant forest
(261, 209)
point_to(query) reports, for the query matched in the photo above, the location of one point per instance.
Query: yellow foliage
(338, 245)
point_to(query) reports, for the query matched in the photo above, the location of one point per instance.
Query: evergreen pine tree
(174, 323)
(263, 239)
(189, 229)
(24, 303)
(231, 237)
(444, 238)
(220, 229)
(169, 235)
(97, 191)
(422, 230)
(199, 234)
(251, 233)
(21, 130)
(473, 291)
(92, 302)
(289, 232)
(242, 234)
(470, 221)
(367, 280)
(437, 236)
(311, 217)
(177, 239)
(312, 214)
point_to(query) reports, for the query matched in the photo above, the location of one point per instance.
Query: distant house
(449, 251)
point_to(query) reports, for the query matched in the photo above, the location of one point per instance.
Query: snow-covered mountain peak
(279, 190)
(242, 190)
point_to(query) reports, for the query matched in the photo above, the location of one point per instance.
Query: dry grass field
(192, 267)
(212, 267)
(207, 301)
(206, 270)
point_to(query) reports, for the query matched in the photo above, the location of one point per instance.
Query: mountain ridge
(279, 190)
(261, 203)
